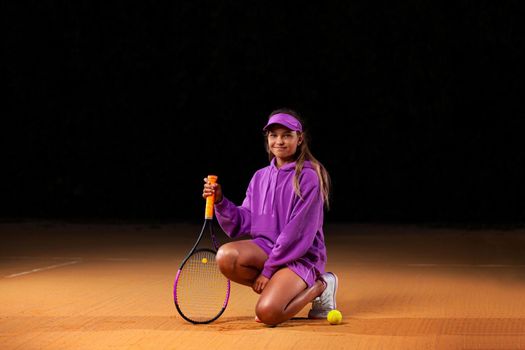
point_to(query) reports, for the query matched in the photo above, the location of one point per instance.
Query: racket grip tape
(210, 201)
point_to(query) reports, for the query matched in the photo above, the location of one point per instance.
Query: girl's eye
(285, 136)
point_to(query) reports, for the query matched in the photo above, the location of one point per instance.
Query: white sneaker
(325, 303)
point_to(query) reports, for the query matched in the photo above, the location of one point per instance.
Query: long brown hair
(303, 153)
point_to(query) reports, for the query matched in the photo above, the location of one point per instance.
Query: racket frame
(208, 222)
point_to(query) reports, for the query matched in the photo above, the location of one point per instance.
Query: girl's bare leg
(284, 296)
(241, 261)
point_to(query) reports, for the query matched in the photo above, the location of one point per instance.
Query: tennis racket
(201, 291)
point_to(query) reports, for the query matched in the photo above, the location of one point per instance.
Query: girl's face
(283, 143)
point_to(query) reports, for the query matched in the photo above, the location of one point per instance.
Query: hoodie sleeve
(235, 220)
(299, 233)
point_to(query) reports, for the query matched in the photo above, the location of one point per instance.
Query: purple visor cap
(286, 120)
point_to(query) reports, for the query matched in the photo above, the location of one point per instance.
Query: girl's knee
(269, 313)
(226, 259)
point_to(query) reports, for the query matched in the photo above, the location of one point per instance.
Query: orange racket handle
(210, 201)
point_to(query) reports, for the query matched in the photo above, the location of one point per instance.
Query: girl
(285, 258)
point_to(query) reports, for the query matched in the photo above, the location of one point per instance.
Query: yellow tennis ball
(334, 317)
(204, 260)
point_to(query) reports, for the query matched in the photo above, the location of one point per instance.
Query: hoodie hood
(275, 178)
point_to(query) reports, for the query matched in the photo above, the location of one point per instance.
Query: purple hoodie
(289, 229)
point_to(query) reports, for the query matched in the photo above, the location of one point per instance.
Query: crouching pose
(282, 215)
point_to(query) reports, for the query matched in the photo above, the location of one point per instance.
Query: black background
(118, 110)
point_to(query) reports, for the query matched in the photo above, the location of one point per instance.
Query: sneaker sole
(316, 317)
(335, 289)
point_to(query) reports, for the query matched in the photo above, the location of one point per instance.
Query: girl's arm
(298, 235)
(234, 220)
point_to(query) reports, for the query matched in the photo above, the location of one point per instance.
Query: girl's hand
(210, 189)
(259, 284)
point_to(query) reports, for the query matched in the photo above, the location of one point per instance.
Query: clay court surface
(109, 286)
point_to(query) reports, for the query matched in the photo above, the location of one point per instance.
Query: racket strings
(201, 288)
